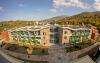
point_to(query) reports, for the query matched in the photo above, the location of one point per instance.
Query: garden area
(78, 46)
(22, 49)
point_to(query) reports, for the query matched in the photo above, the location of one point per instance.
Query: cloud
(1, 8)
(97, 5)
(53, 10)
(69, 3)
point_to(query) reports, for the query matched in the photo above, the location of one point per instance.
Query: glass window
(44, 43)
(56, 30)
(65, 37)
(38, 37)
(51, 41)
(38, 32)
(38, 42)
(65, 32)
(31, 33)
(44, 33)
(43, 37)
(51, 30)
(26, 33)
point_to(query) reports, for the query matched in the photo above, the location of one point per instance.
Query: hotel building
(47, 35)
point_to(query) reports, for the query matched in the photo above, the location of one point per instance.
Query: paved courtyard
(57, 54)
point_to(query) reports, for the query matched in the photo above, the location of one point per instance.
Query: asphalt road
(3, 60)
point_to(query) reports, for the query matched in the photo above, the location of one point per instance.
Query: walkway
(57, 55)
(4, 58)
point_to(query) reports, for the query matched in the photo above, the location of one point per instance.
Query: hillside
(13, 24)
(56, 18)
(84, 17)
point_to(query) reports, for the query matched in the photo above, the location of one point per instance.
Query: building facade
(47, 35)
(74, 34)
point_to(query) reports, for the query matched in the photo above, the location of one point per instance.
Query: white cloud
(69, 3)
(1, 8)
(53, 10)
(97, 5)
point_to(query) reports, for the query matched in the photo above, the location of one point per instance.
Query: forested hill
(56, 18)
(84, 17)
(13, 24)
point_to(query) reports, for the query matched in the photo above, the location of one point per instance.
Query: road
(3, 60)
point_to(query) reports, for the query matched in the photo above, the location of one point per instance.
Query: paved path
(3, 60)
(57, 55)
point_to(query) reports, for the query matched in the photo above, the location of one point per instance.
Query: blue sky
(42, 9)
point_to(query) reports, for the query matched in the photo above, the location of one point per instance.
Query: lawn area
(22, 49)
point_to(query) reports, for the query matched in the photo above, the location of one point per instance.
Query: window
(26, 33)
(51, 30)
(65, 37)
(44, 33)
(31, 33)
(51, 41)
(38, 32)
(38, 42)
(38, 37)
(43, 37)
(44, 43)
(56, 30)
(65, 32)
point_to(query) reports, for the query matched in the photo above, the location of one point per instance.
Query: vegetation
(22, 49)
(14, 24)
(85, 17)
(78, 46)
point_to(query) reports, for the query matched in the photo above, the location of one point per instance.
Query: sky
(43, 9)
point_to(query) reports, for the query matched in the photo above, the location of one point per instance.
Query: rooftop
(39, 27)
(75, 27)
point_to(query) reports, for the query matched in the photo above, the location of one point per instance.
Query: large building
(47, 35)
